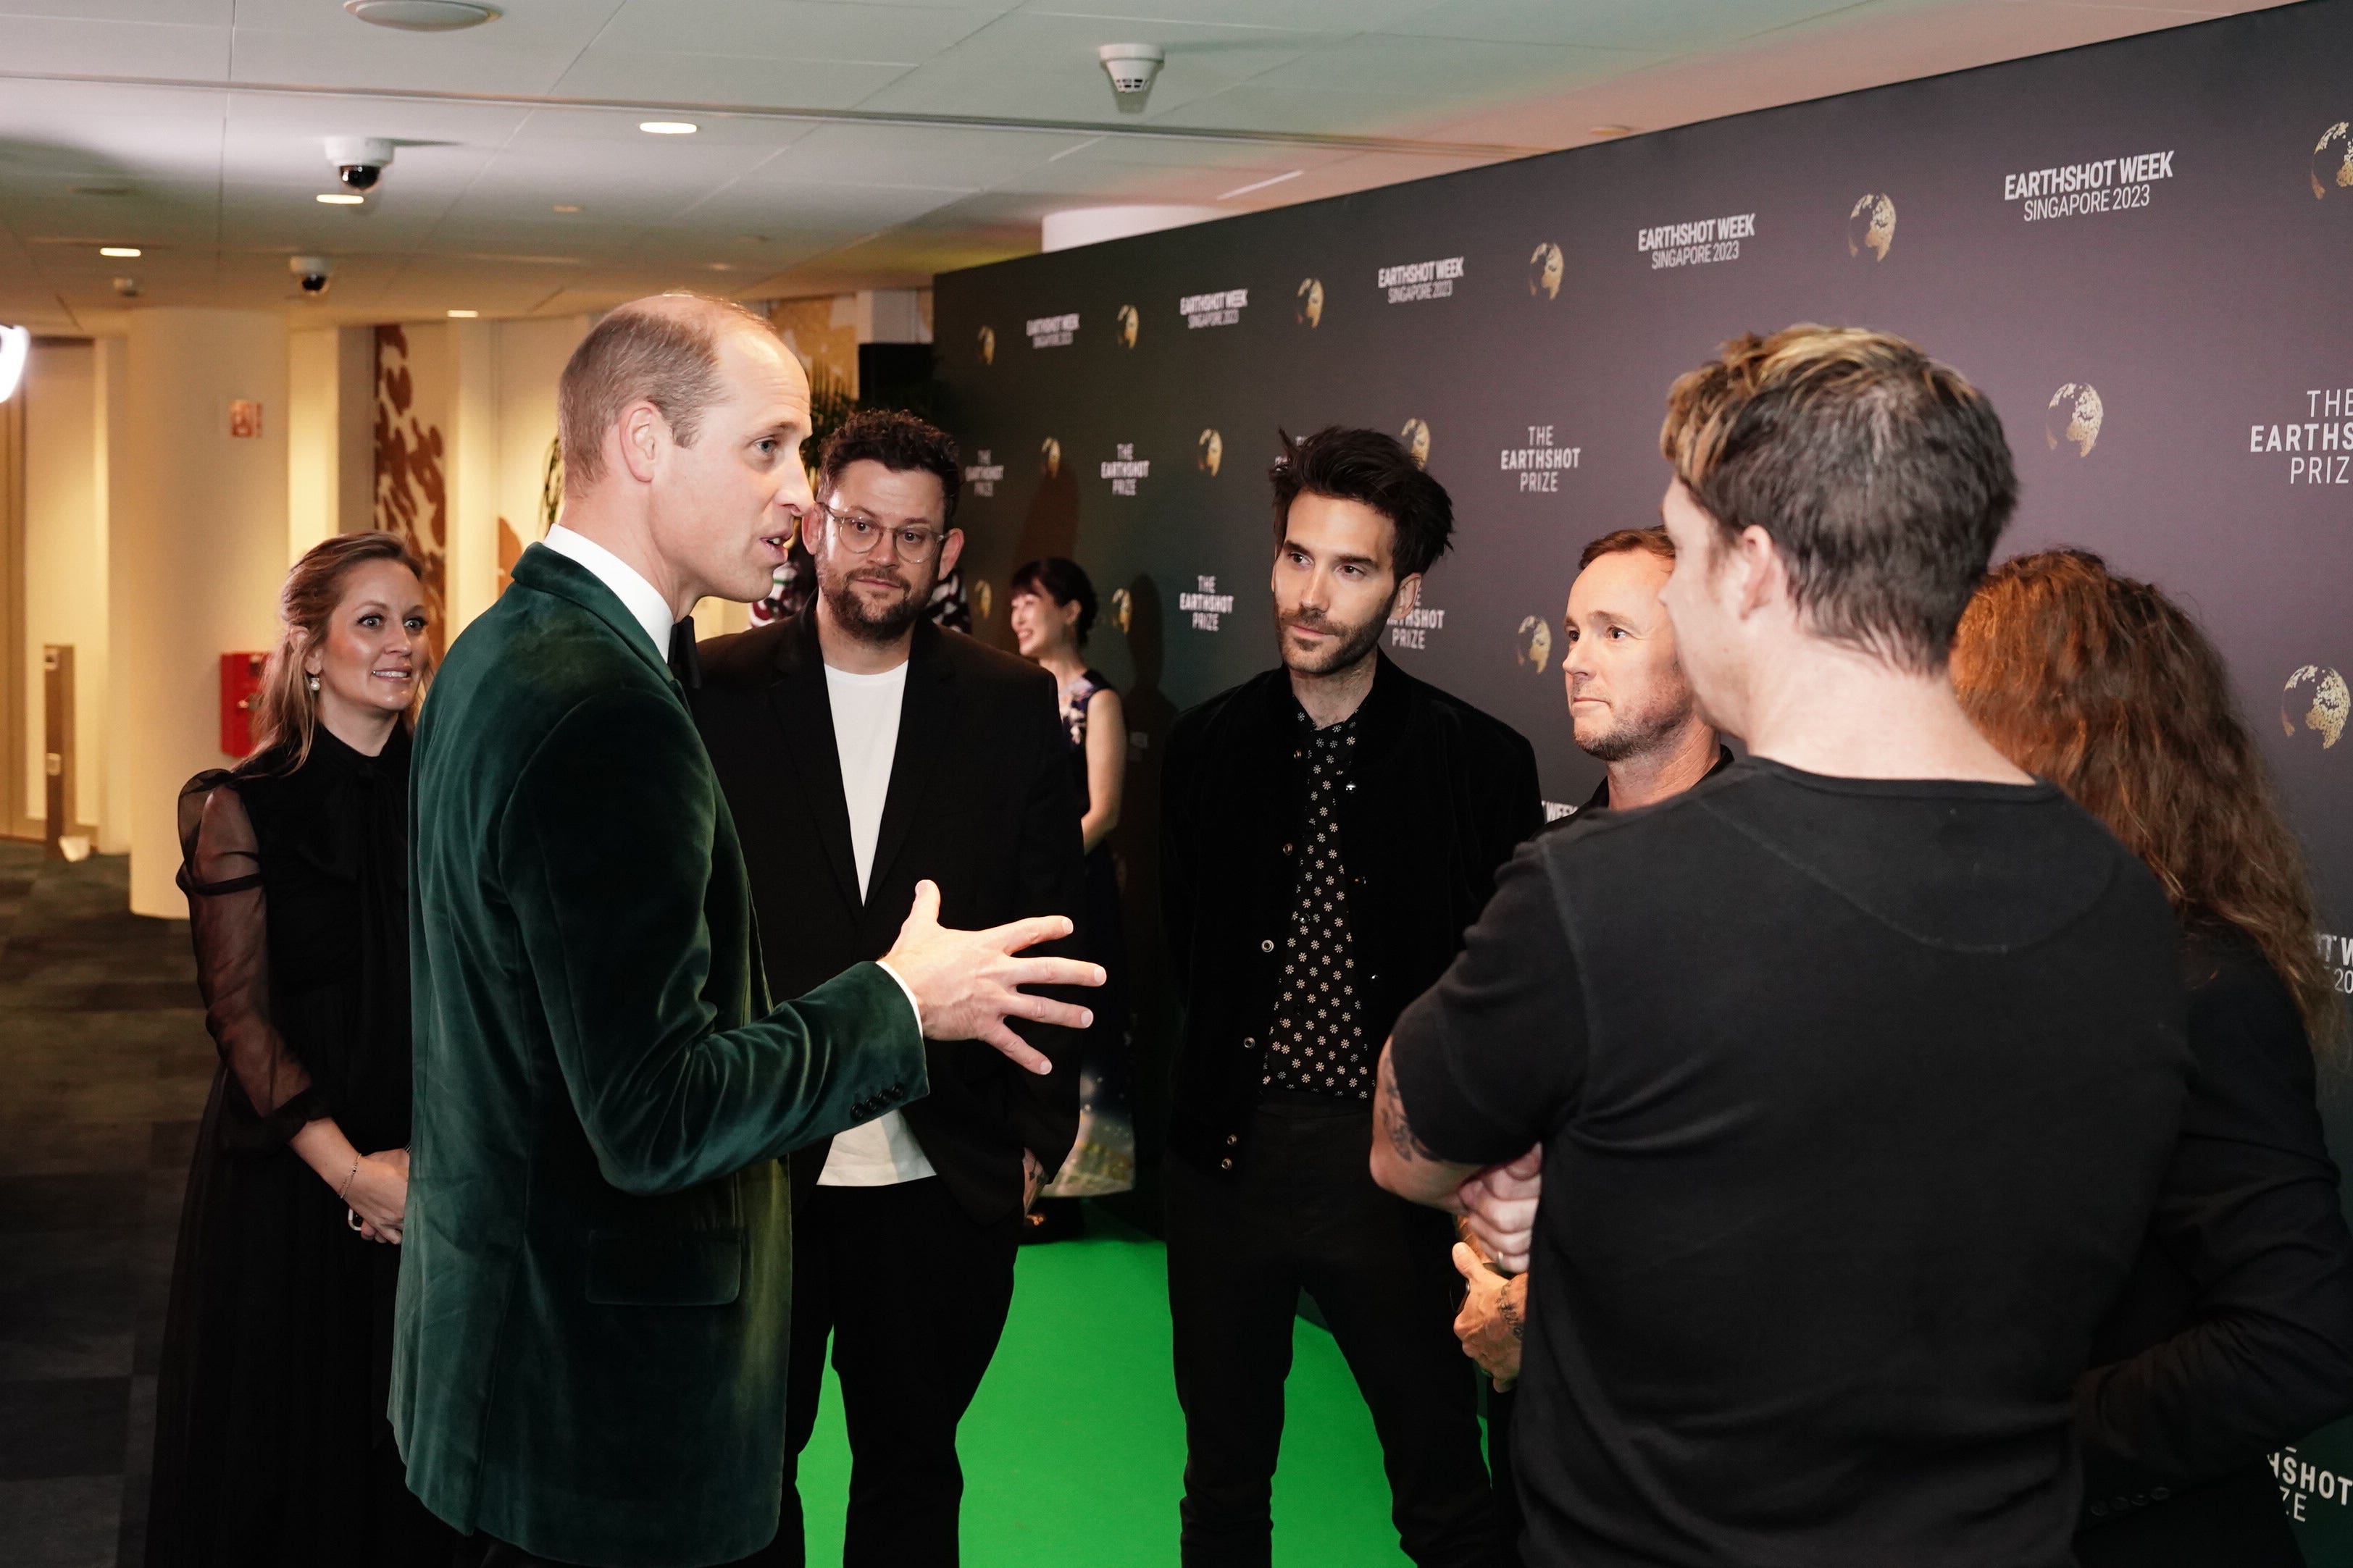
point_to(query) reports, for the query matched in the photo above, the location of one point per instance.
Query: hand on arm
(1499, 1206)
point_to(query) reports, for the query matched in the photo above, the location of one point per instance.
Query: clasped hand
(378, 1194)
(1500, 1203)
(968, 982)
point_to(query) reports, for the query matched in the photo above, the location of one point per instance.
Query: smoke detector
(1131, 66)
(422, 15)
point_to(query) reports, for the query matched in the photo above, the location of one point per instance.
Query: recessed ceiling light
(123, 251)
(422, 15)
(667, 127)
(566, 208)
(463, 315)
(1261, 184)
(1612, 131)
(340, 199)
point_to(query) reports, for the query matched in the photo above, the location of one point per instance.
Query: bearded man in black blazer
(904, 752)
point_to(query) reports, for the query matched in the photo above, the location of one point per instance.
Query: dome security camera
(359, 161)
(313, 272)
(1132, 67)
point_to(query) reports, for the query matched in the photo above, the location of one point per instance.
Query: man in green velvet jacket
(594, 1307)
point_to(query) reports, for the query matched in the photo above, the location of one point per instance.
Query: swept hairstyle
(1882, 477)
(285, 712)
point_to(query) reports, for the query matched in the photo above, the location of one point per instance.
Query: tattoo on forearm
(1400, 1131)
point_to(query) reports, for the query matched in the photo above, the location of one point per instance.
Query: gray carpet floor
(104, 1066)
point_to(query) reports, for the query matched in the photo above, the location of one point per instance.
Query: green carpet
(1074, 1450)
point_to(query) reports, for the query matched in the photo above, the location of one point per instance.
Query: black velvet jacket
(1438, 796)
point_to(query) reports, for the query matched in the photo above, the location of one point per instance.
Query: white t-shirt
(884, 1151)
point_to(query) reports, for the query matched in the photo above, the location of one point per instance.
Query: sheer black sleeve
(220, 870)
(2250, 1215)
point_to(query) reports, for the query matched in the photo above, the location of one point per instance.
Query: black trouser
(914, 1296)
(1510, 1519)
(1305, 1215)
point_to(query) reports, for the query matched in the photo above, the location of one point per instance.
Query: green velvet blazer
(588, 1356)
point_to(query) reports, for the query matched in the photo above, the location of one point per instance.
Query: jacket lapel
(805, 719)
(924, 715)
(550, 573)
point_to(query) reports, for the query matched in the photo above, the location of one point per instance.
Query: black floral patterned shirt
(1317, 1043)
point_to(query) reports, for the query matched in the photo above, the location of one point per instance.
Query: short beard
(853, 615)
(1641, 733)
(1354, 642)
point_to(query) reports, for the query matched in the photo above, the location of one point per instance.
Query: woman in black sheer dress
(271, 1442)
(2234, 1335)
(1051, 607)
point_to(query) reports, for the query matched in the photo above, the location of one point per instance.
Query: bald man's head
(662, 349)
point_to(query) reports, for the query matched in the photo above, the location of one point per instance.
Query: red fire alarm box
(240, 680)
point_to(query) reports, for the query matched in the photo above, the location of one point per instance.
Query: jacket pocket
(685, 1269)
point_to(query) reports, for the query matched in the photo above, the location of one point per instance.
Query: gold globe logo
(988, 345)
(1212, 452)
(1049, 457)
(2075, 417)
(2318, 692)
(1870, 226)
(2332, 161)
(1415, 439)
(1545, 268)
(1533, 645)
(982, 599)
(1128, 323)
(1310, 300)
(1122, 609)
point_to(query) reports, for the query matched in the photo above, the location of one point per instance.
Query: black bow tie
(683, 662)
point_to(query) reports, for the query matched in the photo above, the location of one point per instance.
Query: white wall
(197, 556)
(65, 564)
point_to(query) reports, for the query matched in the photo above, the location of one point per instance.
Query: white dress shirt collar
(645, 606)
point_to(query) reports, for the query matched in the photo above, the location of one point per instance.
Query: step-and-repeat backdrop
(2143, 251)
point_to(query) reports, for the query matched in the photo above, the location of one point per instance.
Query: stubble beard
(853, 615)
(1353, 646)
(1640, 732)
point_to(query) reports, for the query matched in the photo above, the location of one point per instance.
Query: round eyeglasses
(860, 533)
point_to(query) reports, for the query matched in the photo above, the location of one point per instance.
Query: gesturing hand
(1488, 1323)
(1501, 1203)
(968, 983)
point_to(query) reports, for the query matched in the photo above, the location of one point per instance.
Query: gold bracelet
(344, 1193)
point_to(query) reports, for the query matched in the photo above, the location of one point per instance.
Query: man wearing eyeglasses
(903, 752)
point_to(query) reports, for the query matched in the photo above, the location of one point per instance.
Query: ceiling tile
(653, 77)
(89, 47)
(790, 29)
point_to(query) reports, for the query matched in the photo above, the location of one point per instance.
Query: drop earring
(314, 684)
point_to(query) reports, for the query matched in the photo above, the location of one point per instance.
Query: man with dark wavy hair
(1852, 1070)
(1330, 828)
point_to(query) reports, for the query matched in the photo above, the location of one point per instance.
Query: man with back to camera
(1330, 828)
(594, 1289)
(899, 752)
(1854, 1070)
(1630, 706)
